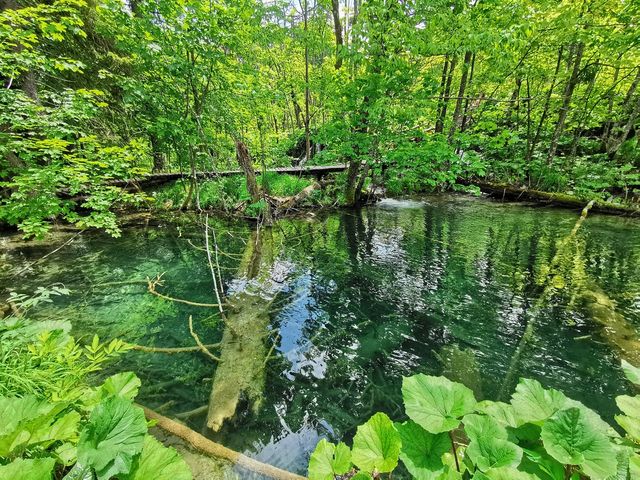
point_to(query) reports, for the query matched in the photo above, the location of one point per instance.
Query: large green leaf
(489, 447)
(422, 451)
(478, 427)
(125, 384)
(376, 445)
(112, 438)
(329, 460)
(32, 469)
(631, 421)
(571, 438)
(502, 412)
(632, 373)
(158, 462)
(533, 403)
(28, 421)
(436, 403)
(504, 474)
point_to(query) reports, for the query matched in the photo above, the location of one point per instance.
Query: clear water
(441, 285)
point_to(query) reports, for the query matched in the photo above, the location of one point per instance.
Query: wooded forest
(319, 239)
(412, 95)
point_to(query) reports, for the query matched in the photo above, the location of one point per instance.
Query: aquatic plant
(540, 434)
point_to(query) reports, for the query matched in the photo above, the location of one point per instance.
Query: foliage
(540, 434)
(54, 421)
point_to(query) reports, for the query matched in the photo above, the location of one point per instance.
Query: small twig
(204, 349)
(453, 448)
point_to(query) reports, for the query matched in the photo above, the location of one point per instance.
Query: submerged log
(241, 371)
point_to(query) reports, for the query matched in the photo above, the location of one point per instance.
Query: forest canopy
(413, 95)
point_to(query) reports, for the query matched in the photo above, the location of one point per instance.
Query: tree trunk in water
(545, 110)
(461, 91)
(566, 101)
(244, 160)
(337, 26)
(442, 114)
(243, 352)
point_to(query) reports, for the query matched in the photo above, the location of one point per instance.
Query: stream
(357, 299)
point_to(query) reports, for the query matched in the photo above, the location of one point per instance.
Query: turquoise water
(441, 285)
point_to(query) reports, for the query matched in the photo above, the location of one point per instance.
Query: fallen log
(524, 194)
(209, 447)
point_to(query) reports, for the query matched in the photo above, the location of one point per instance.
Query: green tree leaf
(436, 403)
(113, 437)
(31, 469)
(158, 462)
(422, 451)
(376, 445)
(571, 438)
(329, 460)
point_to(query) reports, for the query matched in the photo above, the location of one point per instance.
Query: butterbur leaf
(361, 476)
(571, 438)
(376, 445)
(540, 463)
(502, 412)
(489, 453)
(478, 427)
(112, 438)
(629, 405)
(630, 425)
(329, 460)
(533, 403)
(158, 462)
(422, 451)
(436, 403)
(504, 474)
(125, 384)
(32, 469)
(632, 373)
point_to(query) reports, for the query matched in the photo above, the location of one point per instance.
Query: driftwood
(151, 287)
(508, 192)
(282, 204)
(209, 447)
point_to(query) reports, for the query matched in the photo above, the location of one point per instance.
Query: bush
(540, 434)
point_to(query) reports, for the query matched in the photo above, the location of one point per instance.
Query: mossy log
(241, 370)
(524, 194)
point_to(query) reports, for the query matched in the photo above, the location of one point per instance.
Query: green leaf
(631, 421)
(422, 451)
(571, 438)
(32, 469)
(632, 373)
(327, 461)
(504, 474)
(540, 463)
(376, 445)
(478, 427)
(158, 462)
(125, 384)
(489, 447)
(532, 403)
(502, 412)
(436, 403)
(112, 438)
(361, 476)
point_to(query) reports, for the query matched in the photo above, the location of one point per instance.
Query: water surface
(440, 285)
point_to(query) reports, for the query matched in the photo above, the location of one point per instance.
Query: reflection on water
(443, 285)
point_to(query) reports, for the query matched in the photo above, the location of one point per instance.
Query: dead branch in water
(203, 349)
(151, 287)
(169, 350)
(205, 445)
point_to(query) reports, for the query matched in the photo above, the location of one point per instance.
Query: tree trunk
(461, 91)
(244, 160)
(158, 156)
(545, 110)
(442, 114)
(466, 101)
(337, 27)
(307, 133)
(614, 142)
(566, 101)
